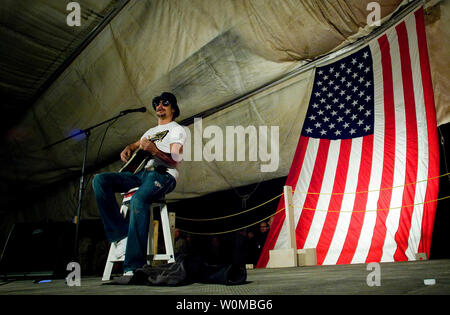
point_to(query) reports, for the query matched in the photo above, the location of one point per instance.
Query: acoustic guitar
(140, 157)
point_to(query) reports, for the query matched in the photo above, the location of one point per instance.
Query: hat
(167, 96)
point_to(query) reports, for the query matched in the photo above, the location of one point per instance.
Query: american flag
(341, 105)
(367, 147)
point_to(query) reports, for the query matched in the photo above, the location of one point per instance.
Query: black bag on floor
(189, 269)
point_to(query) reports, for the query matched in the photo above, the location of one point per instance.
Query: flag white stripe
(422, 171)
(393, 217)
(348, 201)
(324, 198)
(370, 218)
(302, 185)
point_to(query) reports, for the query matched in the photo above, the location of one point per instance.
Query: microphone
(127, 111)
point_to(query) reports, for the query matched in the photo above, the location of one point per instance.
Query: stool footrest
(168, 257)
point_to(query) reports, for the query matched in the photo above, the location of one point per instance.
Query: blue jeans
(152, 186)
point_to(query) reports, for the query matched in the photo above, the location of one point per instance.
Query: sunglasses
(158, 100)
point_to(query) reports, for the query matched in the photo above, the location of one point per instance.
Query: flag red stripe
(299, 156)
(387, 177)
(332, 217)
(278, 219)
(429, 210)
(306, 217)
(402, 234)
(357, 219)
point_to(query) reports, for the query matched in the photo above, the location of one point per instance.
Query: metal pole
(80, 197)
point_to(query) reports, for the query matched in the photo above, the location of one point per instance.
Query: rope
(231, 215)
(313, 193)
(354, 211)
(309, 209)
(234, 230)
(375, 210)
(374, 190)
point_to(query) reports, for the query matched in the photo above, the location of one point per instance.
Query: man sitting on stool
(156, 179)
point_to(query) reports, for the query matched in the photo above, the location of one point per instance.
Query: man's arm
(171, 158)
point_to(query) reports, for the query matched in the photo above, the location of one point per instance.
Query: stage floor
(395, 278)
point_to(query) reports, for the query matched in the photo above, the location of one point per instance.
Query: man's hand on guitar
(125, 154)
(148, 146)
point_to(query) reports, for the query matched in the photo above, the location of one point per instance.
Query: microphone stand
(87, 133)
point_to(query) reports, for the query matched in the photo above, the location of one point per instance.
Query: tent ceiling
(36, 48)
(207, 52)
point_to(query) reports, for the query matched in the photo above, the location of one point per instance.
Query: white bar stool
(168, 240)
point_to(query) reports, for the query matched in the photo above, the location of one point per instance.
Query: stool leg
(172, 226)
(112, 249)
(155, 237)
(166, 230)
(150, 237)
(109, 264)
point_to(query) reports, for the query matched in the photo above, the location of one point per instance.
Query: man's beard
(161, 115)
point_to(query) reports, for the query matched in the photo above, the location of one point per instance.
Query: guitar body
(135, 163)
(140, 157)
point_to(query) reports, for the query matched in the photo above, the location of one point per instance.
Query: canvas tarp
(207, 53)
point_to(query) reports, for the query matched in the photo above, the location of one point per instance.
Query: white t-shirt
(176, 134)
